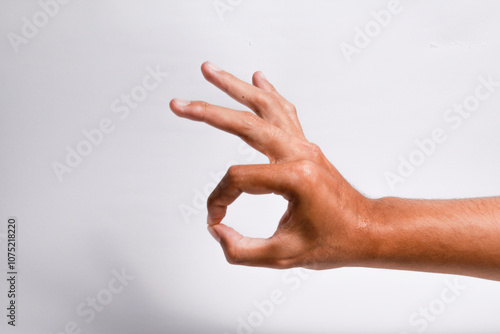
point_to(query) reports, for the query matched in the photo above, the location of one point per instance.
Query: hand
(326, 223)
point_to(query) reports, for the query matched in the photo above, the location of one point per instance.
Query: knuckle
(232, 173)
(285, 263)
(314, 149)
(305, 168)
(199, 109)
(265, 100)
(232, 177)
(290, 109)
(199, 106)
(232, 254)
(195, 106)
(211, 198)
(205, 106)
(306, 171)
(250, 121)
(227, 180)
(285, 251)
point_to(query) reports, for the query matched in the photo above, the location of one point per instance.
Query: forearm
(447, 236)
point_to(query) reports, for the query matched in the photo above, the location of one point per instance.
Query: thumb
(242, 250)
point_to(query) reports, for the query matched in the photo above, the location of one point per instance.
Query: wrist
(371, 230)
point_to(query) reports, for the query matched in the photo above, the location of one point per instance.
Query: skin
(328, 223)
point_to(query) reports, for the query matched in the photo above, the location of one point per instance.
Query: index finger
(261, 135)
(252, 179)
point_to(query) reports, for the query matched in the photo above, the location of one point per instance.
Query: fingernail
(212, 67)
(181, 102)
(262, 75)
(214, 233)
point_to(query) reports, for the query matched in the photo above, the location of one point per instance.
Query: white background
(122, 206)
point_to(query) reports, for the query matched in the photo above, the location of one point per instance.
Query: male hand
(326, 223)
